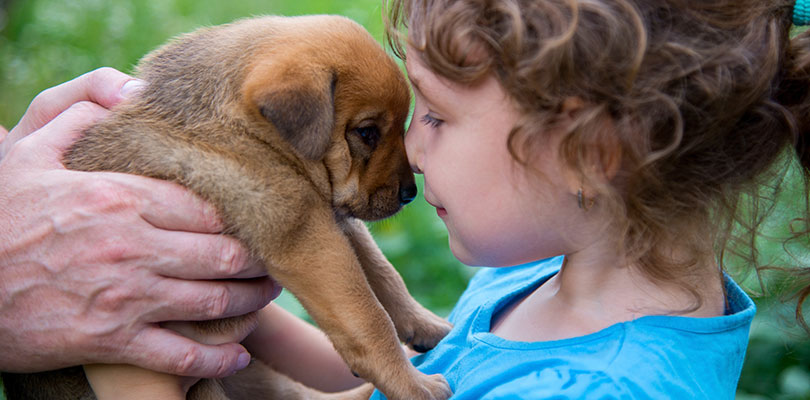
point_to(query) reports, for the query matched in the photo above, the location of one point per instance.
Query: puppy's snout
(407, 193)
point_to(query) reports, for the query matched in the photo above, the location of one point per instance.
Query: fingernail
(131, 87)
(277, 288)
(242, 361)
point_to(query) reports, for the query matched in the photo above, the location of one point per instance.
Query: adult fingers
(202, 256)
(166, 205)
(102, 86)
(3, 136)
(176, 208)
(164, 350)
(204, 300)
(47, 144)
(178, 214)
(175, 231)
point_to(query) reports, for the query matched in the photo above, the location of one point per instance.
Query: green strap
(2, 389)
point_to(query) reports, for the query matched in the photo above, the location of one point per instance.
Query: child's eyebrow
(417, 82)
(414, 83)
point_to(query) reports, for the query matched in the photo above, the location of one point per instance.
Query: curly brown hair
(707, 100)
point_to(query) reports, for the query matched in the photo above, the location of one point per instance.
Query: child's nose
(413, 146)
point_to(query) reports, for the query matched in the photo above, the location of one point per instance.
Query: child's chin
(460, 253)
(465, 256)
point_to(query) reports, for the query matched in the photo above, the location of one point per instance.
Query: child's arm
(296, 348)
(282, 340)
(124, 382)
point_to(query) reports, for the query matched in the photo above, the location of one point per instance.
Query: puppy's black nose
(407, 194)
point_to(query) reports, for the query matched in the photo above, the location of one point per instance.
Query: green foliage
(46, 42)
(777, 365)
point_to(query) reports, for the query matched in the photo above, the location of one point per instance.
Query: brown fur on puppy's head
(338, 98)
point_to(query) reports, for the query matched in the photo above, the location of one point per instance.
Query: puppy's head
(333, 94)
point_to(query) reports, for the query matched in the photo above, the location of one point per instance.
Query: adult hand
(105, 87)
(91, 262)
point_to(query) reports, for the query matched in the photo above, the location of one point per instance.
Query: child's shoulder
(633, 360)
(644, 358)
(490, 284)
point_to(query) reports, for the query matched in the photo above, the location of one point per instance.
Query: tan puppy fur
(293, 128)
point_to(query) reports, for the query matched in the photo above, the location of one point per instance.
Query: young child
(613, 140)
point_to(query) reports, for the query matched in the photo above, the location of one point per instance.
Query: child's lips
(440, 211)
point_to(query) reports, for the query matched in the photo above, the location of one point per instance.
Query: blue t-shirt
(652, 357)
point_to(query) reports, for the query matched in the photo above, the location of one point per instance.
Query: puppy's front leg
(415, 325)
(322, 271)
(262, 382)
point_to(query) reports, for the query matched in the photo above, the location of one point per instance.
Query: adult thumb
(50, 142)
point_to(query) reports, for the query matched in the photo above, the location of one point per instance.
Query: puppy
(293, 128)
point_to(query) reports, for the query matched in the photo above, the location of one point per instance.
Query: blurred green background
(46, 42)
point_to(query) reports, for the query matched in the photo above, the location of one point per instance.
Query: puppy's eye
(369, 134)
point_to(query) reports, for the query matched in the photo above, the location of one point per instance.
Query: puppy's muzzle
(407, 193)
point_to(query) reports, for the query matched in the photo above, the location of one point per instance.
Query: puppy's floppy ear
(301, 105)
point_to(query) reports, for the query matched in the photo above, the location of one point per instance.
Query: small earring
(581, 201)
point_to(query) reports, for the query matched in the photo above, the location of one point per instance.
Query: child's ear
(608, 154)
(571, 106)
(300, 104)
(601, 153)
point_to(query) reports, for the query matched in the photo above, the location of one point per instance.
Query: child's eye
(431, 121)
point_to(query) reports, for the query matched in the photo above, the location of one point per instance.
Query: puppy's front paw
(423, 330)
(436, 387)
(418, 387)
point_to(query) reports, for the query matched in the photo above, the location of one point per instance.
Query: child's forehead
(451, 99)
(424, 80)
(416, 70)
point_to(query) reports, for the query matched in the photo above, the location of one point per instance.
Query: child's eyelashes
(431, 121)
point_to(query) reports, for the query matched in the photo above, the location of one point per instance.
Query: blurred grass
(46, 42)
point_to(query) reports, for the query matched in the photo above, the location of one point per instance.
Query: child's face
(495, 214)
